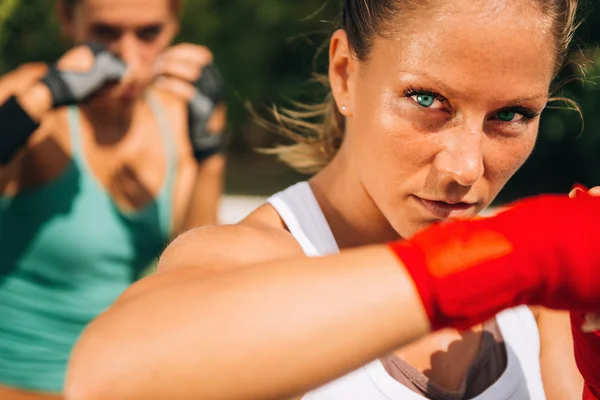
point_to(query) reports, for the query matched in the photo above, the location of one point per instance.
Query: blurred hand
(180, 67)
(81, 72)
(592, 320)
(188, 71)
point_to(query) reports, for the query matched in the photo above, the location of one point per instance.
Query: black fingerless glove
(209, 93)
(16, 126)
(69, 87)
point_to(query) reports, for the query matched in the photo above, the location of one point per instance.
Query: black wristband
(16, 126)
(202, 154)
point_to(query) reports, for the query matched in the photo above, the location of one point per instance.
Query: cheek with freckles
(390, 147)
(503, 158)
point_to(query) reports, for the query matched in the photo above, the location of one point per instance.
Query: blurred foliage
(266, 50)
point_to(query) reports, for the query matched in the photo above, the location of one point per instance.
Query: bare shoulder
(259, 238)
(20, 78)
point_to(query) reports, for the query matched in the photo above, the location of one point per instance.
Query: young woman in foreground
(436, 105)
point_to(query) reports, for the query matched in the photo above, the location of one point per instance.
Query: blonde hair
(318, 130)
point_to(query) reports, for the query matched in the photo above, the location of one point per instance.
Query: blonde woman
(434, 106)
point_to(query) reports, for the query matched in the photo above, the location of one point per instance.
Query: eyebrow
(529, 98)
(118, 27)
(449, 90)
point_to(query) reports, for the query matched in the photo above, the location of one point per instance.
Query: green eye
(507, 116)
(425, 100)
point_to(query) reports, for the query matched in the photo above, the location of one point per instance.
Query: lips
(443, 209)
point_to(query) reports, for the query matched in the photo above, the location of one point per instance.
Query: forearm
(192, 337)
(206, 194)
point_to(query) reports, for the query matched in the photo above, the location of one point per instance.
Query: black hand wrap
(210, 92)
(16, 126)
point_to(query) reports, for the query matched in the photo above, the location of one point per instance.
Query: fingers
(576, 192)
(177, 86)
(184, 61)
(592, 320)
(78, 59)
(179, 69)
(190, 53)
(591, 323)
(580, 190)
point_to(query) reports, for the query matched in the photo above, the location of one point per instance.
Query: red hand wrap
(587, 356)
(541, 251)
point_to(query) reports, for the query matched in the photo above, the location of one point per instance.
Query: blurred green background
(266, 50)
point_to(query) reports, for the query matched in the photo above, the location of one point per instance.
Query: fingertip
(573, 193)
(578, 190)
(159, 66)
(160, 81)
(587, 328)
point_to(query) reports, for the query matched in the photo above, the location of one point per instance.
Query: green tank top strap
(75, 134)
(166, 195)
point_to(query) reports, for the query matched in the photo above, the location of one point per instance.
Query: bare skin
(121, 140)
(401, 167)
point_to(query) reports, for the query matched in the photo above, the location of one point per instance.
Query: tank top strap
(74, 124)
(300, 211)
(165, 198)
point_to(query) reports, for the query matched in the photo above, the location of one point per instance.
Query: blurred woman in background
(117, 148)
(434, 105)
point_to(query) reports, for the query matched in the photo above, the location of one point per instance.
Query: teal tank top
(66, 253)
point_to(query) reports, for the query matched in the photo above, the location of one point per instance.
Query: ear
(342, 72)
(65, 18)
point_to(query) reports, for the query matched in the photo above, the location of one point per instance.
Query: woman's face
(446, 109)
(137, 31)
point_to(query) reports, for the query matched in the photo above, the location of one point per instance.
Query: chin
(408, 228)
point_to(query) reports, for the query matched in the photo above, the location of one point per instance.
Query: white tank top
(300, 211)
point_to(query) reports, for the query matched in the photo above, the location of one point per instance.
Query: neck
(110, 118)
(352, 215)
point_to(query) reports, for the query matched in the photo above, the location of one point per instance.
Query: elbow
(82, 384)
(102, 364)
(79, 389)
(90, 373)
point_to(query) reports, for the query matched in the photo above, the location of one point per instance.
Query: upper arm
(560, 376)
(219, 248)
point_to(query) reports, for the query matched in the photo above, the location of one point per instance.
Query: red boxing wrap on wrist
(541, 251)
(587, 356)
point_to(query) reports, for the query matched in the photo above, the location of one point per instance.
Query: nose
(128, 49)
(461, 157)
